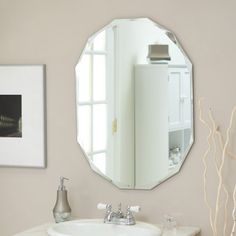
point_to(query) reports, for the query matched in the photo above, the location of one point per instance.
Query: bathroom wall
(53, 33)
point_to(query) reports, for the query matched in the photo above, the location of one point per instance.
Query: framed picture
(22, 116)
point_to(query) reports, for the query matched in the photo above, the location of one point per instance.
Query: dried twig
(219, 166)
(205, 166)
(233, 212)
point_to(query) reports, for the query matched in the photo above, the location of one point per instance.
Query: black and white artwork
(22, 117)
(10, 116)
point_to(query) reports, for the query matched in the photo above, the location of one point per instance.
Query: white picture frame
(22, 116)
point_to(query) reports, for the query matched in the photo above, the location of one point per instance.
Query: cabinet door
(174, 93)
(179, 98)
(186, 98)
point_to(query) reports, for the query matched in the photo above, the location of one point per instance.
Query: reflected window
(92, 100)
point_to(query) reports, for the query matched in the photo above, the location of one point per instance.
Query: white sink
(98, 228)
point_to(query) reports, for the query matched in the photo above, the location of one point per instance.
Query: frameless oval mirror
(134, 103)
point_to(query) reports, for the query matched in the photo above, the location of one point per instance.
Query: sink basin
(98, 228)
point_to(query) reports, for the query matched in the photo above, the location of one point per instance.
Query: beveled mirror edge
(189, 64)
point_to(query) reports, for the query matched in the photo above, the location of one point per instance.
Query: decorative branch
(219, 166)
(205, 166)
(233, 212)
(221, 141)
(225, 210)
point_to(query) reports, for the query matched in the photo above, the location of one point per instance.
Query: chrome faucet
(118, 217)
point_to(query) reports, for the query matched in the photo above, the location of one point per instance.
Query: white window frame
(108, 101)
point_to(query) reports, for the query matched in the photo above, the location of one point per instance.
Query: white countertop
(180, 231)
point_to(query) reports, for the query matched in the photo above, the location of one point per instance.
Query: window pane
(99, 78)
(99, 127)
(99, 160)
(83, 76)
(99, 42)
(84, 127)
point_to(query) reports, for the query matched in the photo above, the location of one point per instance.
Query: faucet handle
(135, 208)
(130, 220)
(103, 206)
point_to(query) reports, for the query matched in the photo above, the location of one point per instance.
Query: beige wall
(53, 32)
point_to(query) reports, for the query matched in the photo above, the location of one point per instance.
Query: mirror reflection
(134, 103)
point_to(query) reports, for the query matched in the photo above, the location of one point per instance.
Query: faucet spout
(110, 216)
(119, 217)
